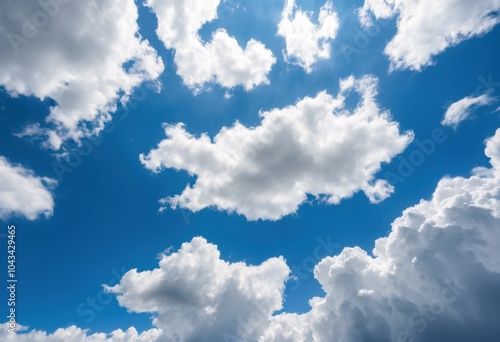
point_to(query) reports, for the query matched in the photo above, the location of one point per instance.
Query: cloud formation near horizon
(433, 278)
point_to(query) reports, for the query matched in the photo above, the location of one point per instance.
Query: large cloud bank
(435, 277)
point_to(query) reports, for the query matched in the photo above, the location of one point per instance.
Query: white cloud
(84, 55)
(306, 43)
(461, 110)
(194, 295)
(199, 297)
(493, 151)
(75, 334)
(221, 60)
(426, 28)
(23, 193)
(435, 277)
(316, 146)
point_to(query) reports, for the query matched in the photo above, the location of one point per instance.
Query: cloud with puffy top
(196, 296)
(461, 110)
(85, 56)
(75, 334)
(306, 42)
(435, 277)
(426, 28)
(220, 60)
(24, 194)
(317, 147)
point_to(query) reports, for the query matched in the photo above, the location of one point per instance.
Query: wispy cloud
(462, 109)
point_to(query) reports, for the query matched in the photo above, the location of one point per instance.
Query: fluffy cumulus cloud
(75, 334)
(196, 296)
(435, 277)
(462, 109)
(306, 42)
(426, 28)
(83, 55)
(22, 193)
(220, 60)
(317, 147)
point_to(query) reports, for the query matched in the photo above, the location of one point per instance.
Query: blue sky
(102, 218)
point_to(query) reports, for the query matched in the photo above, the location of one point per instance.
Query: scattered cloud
(433, 278)
(426, 28)
(306, 42)
(221, 60)
(22, 193)
(74, 333)
(462, 109)
(85, 56)
(316, 146)
(196, 296)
